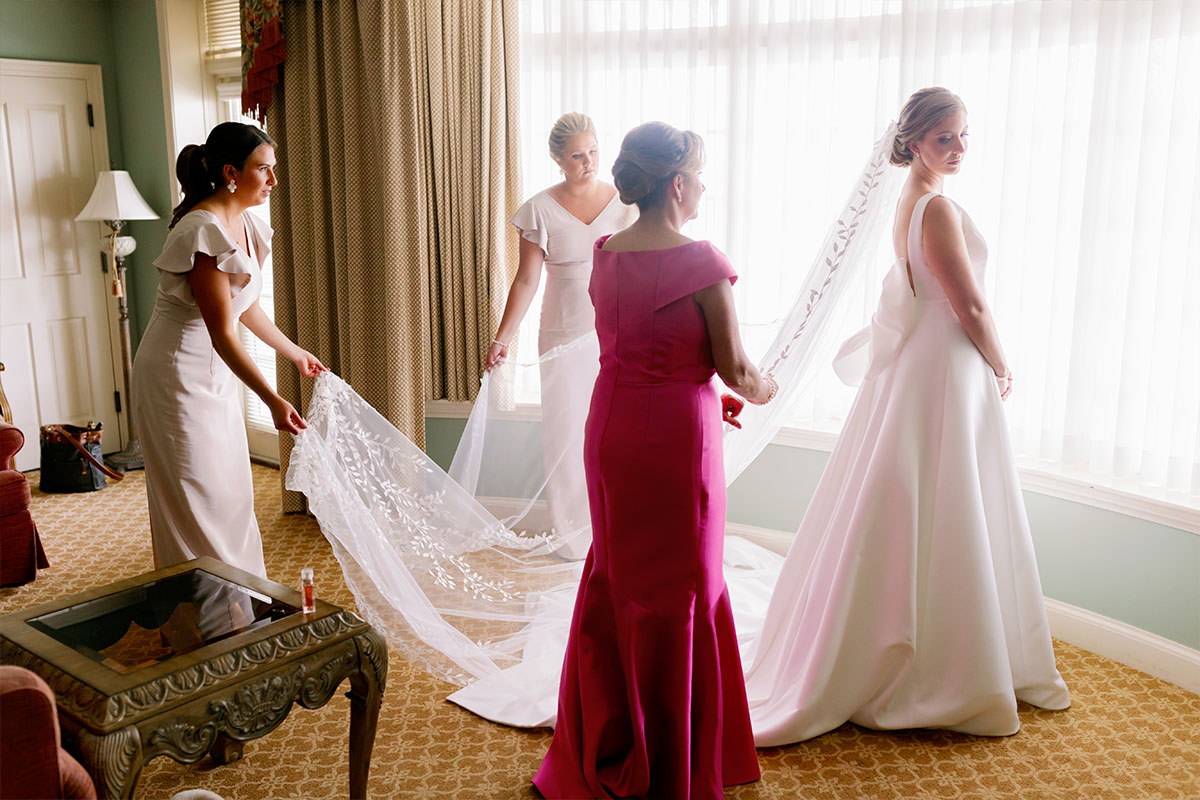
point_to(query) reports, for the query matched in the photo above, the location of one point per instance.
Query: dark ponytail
(200, 167)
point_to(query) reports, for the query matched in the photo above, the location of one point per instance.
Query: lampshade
(115, 197)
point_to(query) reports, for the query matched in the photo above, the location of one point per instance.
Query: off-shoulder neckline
(600, 246)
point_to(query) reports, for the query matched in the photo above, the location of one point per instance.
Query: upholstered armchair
(32, 761)
(21, 554)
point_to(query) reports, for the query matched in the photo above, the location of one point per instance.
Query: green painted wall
(143, 143)
(122, 37)
(78, 31)
(1141, 573)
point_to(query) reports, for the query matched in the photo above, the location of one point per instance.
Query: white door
(56, 333)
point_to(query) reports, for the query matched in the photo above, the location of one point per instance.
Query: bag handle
(70, 437)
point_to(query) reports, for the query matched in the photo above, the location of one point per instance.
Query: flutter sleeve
(690, 268)
(196, 233)
(530, 219)
(262, 233)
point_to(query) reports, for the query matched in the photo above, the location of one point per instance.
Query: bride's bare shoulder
(939, 212)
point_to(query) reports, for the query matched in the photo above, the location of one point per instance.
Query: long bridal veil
(530, 476)
(460, 573)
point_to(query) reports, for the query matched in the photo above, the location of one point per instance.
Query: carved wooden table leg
(226, 750)
(114, 761)
(366, 695)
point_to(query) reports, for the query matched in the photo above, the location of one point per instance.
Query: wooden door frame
(93, 80)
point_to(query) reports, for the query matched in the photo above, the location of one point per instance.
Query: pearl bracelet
(497, 341)
(771, 394)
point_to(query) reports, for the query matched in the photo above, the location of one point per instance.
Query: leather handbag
(72, 460)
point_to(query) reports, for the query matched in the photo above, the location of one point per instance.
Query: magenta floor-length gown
(652, 702)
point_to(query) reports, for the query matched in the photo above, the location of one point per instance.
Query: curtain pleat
(391, 250)
(474, 81)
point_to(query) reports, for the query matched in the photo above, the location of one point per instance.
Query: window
(260, 429)
(222, 28)
(1085, 137)
(222, 53)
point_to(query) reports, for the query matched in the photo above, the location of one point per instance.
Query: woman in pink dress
(652, 701)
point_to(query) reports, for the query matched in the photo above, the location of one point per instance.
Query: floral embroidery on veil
(446, 580)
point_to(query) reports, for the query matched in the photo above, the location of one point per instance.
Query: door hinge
(91, 119)
(104, 262)
(117, 400)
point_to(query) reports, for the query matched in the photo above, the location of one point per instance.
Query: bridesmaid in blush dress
(652, 701)
(199, 488)
(558, 226)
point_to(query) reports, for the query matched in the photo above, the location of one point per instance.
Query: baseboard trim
(1113, 639)
(537, 519)
(1119, 641)
(771, 539)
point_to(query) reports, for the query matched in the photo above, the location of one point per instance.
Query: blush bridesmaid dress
(652, 701)
(186, 404)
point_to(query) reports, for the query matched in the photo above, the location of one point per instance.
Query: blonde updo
(651, 154)
(569, 125)
(920, 114)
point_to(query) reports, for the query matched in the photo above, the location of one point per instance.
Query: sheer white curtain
(1083, 175)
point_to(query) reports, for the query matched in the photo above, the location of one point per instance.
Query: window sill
(450, 409)
(1173, 509)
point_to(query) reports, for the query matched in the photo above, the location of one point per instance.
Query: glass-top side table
(189, 660)
(159, 620)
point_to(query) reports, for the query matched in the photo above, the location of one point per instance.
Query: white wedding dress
(910, 596)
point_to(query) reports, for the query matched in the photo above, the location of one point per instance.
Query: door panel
(69, 349)
(16, 351)
(12, 264)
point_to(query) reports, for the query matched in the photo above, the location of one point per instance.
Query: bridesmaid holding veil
(190, 361)
(910, 597)
(558, 227)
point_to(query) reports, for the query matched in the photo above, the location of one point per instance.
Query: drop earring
(231, 186)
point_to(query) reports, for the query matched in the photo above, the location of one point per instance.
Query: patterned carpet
(1127, 736)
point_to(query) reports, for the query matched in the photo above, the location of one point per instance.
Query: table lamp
(114, 201)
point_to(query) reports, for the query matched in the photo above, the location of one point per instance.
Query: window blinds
(222, 22)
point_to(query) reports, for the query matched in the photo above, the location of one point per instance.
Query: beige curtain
(398, 169)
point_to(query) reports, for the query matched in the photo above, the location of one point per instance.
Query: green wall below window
(1138, 572)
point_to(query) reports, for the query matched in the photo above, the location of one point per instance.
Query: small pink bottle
(307, 589)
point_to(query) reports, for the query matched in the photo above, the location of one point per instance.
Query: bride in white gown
(910, 597)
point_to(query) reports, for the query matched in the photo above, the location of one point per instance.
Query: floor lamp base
(127, 459)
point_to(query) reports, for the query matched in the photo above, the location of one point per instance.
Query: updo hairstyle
(652, 154)
(925, 109)
(200, 167)
(568, 125)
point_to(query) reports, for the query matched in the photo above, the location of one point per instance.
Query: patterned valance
(262, 53)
